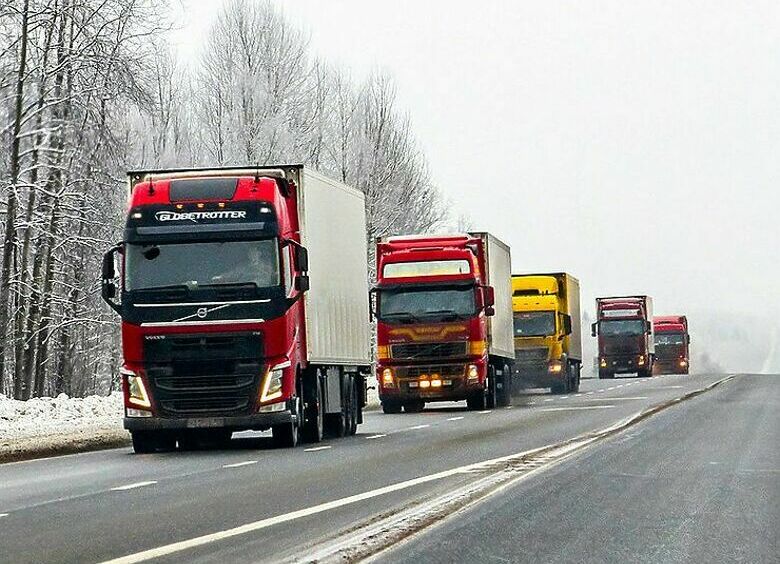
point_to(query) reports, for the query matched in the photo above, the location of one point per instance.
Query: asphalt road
(256, 503)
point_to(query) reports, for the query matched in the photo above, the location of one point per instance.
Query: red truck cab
(672, 344)
(625, 335)
(432, 305)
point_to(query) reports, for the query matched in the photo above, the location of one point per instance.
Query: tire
(490, 396)
(575, 368)
(504, 395)
(354, 414)
(285, 435)
(604, 375)
(391, 407)
(314, 420)
(414, 406)
(476, 402)
(147, 442)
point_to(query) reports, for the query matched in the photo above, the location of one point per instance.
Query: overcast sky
(633, 144)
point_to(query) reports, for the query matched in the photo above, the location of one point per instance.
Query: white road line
(508, 407)
(550, 399)
(415, 427)
(484, 412)
(577, 395)
(455, 418)
(177, 547)
(599, 391)
(3, 514)
(531, 403)
(574, 408)
(133, 486)
(608, 389)
(379, 436)
(564, 397)
(239, 464)
(616, 399)
(588, 393)
(315, 449)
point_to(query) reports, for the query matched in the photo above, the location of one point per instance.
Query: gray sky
(633, 144)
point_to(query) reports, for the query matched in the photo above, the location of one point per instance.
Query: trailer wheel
(575, 377)
(353, 408)
(314, 420)
(504, 391)
(390, 407)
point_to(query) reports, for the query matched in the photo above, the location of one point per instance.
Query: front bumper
(537, 375)
(255, 422)
(455, 384)
(670, 367)
(623, 364)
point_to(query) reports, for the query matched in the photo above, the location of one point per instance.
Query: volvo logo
(202, 312)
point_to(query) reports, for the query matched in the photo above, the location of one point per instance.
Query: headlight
(472, 372)
(387, 378)
(603, 363)
(641, 360)
(136, 391)
(555, 366)
(272, 385)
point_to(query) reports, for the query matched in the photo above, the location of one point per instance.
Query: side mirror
(689, 339)
(107, 276)
(489, 296)
(301, 258)
(593, 329)
(373, 296)
(490, 311)
(566, 324)
(302, 282)
(649, 326)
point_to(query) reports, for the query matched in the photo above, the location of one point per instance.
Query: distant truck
(672, 344)
(244, 305)
(444, 321)
(626, 341)
(547, 331)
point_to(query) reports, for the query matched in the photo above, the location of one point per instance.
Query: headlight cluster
(137, 394)
(272, 383)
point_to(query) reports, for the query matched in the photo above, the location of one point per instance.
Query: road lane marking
(508, 406)
(133, 486)
(616, 399)
(379, 436)
(315, 449)
(564, 397)
(577, 395)
(550, 399)
(578, 407)
(415, 428)
(455, 418)
(3, 514)
(531, 403)
(608, 389)
(588, 393)
(484, 412)
(239, 464)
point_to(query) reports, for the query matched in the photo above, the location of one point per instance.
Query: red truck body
(625, 335)
(214, 320)
(433, 302)
(672, 344)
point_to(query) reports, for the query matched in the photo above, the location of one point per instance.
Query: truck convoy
(625, 335)
(244, 305)
(672, 352)
(547, 331)
(444, 321)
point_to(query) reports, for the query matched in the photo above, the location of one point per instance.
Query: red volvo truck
(243, 294)
(444, 321)
(672, 344)
(625, 335)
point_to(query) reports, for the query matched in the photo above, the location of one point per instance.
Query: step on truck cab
(444, 321)
(626, 341)
(547, 331)
(243, 295)
(672, 344)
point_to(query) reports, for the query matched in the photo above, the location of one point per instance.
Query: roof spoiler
(276, 172)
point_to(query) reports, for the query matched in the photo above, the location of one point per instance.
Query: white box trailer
(332, 220)
(499, 275)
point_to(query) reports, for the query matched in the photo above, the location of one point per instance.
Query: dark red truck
(672, 344)
(625, 335)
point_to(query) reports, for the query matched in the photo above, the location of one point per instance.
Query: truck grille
(530, 355)
(204, 373)
(445, 370)
(430, 350)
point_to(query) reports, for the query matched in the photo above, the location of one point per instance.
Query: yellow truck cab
(547, 331)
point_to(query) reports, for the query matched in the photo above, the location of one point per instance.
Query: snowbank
(43, 426)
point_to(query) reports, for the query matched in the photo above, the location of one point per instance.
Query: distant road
(701, 477)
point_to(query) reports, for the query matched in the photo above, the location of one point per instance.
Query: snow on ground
(44, 426)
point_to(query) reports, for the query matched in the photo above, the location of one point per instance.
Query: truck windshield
(198, 265)
(622, 327)
(406, 306)
(534, 324)
(669, 339)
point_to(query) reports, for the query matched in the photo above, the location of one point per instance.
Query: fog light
(555, 367)
(425, 384)
(132, 412)
(278, 406)
(641, 360)
(603, 363)
(472, 372)
(435, 383)
(683, 362)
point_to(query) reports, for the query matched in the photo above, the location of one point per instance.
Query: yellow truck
(547, 331)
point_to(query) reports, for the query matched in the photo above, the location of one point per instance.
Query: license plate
(206, 423)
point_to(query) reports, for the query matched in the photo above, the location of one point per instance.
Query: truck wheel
(285, 435)
(604, 375)
(391, 407)
(476, 402)
(414, 406)
(353, 409)
(504, 391)
(490, 395)
(145, 442)
(313, 423)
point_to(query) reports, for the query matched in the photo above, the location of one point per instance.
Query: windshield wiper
(446, 314)
(175, 288)
(401, 316)
(231, 286)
